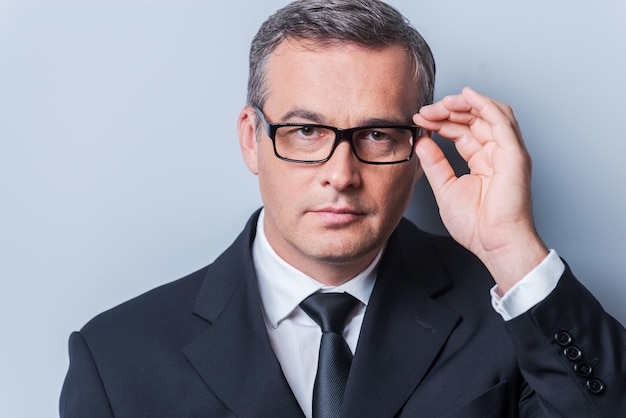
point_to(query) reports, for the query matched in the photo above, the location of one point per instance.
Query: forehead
(342, 79)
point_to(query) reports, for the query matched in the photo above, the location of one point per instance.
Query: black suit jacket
(430, 346)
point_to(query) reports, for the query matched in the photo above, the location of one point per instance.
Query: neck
(332, 272)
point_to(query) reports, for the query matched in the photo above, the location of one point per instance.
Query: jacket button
(573, 353)
(583, 369)
(595, 386)
(562, 338)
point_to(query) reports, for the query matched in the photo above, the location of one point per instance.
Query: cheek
(270, 186)
(278, 182)
(270, 167)
(396, 190)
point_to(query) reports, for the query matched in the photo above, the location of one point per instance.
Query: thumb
(436, 166)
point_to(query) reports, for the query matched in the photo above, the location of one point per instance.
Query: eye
(301, 133)
(307, 131)
(377, 136)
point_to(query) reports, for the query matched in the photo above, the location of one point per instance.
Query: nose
(342, 170)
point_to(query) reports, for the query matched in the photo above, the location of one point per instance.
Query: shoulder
(150, 312)
(172, 304)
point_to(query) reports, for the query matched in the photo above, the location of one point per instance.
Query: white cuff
(531, 290)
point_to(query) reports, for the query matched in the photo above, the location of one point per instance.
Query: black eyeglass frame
(340, 135)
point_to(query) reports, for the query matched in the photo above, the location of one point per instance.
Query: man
(337, 91)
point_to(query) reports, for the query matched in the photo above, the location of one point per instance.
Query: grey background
(120, 168)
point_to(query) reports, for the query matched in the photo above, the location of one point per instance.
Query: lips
(338, 210)
(338, 216)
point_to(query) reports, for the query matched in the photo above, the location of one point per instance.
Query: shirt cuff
(532, 289)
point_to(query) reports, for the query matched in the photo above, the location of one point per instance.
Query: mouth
(337, 216)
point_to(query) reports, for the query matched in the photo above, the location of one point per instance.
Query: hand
(488, 211)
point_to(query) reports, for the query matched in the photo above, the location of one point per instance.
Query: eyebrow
(303, 114)
(318, 118)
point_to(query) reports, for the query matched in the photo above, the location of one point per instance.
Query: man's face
(329, 220)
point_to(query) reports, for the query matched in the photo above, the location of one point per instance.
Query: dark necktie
(329, 311)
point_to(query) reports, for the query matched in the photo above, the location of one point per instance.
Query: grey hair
(368, 23)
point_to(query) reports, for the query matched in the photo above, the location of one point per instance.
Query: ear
(246, 127)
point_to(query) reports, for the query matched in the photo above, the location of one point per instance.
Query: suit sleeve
(83, 393)
(572, 353)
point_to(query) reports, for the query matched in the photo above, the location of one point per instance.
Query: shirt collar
(282, 287)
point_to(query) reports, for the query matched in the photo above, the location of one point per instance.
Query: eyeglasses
(313, 144)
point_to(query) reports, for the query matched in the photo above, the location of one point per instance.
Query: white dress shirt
(531, 290)
(295, 337)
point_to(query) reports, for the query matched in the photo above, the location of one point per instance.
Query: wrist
(508, 265)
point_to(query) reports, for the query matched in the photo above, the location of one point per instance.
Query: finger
(470, 101)
(449, 109)
(479, 101)
(498, 115)
(453, 107)
(436, 166)
(450, 125)
(446, 128)
(486, 118)
(466, 108)
(463, 118)
(466, 142)
(443, 109)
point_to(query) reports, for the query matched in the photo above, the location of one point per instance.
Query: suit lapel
(403, 329)
(402, 333)
(233, 356)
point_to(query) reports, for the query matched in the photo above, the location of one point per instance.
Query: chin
(345, 253)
